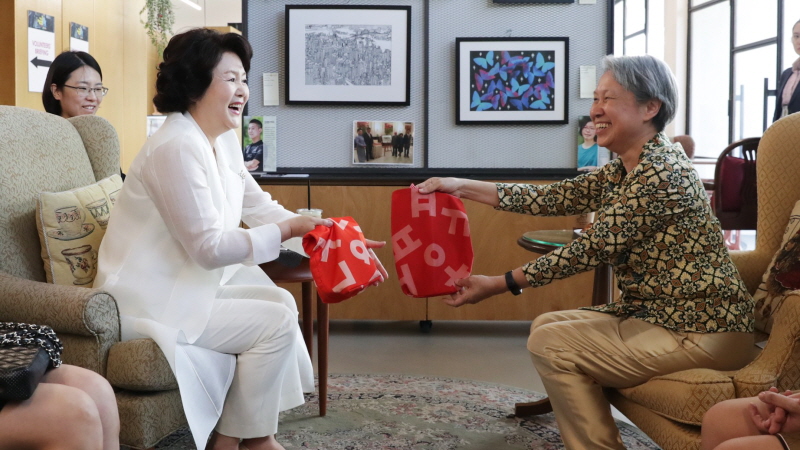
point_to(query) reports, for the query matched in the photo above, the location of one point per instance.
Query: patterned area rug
(379, 412)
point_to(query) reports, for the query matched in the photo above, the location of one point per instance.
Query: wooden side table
(545, 241)
(291, 267)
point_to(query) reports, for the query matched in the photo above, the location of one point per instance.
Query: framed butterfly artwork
(505, 80)
(348, 55)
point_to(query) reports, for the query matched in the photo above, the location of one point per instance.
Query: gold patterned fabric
(655, 226)
(782, 275)
(700, 389)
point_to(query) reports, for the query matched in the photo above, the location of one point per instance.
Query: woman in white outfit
(182, 270)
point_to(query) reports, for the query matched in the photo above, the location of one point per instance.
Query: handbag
(27, 351)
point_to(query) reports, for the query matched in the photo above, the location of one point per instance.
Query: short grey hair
(648, 78)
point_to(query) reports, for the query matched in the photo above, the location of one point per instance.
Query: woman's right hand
(452, 186)
(478, 191)
(298, 226)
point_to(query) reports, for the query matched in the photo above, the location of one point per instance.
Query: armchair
(43, 152)
(670, 408)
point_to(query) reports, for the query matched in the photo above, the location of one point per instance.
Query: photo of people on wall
(378, 142)
(590, 155)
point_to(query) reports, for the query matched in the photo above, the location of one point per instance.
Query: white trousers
(273, 368)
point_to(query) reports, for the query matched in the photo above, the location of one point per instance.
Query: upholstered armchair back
(43, 152)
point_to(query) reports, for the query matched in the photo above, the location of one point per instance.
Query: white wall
(214, 13)
(676, 17)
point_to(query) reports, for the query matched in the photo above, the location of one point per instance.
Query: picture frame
(348, 55)
(525, 81)
(392, 142)
(533, 1)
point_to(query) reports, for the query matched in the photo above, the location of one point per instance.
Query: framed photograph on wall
(347, 55)
(501, 81)
(383, 142)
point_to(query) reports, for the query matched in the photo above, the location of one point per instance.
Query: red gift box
(340, 260)
(430, 241)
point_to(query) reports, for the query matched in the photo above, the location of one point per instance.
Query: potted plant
(158, 24)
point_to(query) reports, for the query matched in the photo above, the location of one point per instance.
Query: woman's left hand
(377, 244)
(476, 288)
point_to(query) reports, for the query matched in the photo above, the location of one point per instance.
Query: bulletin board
(316, 139)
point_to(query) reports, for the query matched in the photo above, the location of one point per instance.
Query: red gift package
(340, 260)
(430, 241)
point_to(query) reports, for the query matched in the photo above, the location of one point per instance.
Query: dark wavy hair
(189, 62)
(58, 74)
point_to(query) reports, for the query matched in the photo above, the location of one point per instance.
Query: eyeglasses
(84, 91)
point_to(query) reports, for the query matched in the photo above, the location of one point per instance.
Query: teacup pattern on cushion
(71, 225)
(781, 277)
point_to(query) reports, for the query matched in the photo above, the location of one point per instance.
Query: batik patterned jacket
(655, 226)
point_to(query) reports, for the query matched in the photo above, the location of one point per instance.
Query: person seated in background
(74, 85)
(72, 408)
(683, 304)
(769, 421)
(183, 271)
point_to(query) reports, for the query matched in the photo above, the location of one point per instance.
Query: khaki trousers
(578, 353)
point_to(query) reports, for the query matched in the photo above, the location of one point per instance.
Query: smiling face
(796, 37)
(622, 123)
(254, 132)
(588, 132)
(73, 102)
(220, 108)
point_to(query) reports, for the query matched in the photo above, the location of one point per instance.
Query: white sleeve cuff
(266, 241)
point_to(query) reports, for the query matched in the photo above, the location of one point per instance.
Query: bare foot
(222, 442)
(265, 443)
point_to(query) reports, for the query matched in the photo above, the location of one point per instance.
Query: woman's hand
(450, 186)
(377, 244)
(476, 288)
(776, 412)
(478, 191)
(298, 226)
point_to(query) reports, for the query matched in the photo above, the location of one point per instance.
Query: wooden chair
(735, 196)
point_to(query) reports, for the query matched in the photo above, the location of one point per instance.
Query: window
(737, 50)
(639, 27)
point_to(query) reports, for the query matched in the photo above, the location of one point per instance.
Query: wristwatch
(512, 284)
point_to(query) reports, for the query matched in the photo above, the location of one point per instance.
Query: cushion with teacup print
(782, 276)
(71, 225)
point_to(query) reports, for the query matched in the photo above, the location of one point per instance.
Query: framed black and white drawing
(502, 81)
(345, 54)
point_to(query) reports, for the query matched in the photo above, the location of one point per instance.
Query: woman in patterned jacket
(682, 305)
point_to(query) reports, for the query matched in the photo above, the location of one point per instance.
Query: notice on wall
(270, 143)
(588, 80)
(78, 37)
(41, 48)
(270, 89)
